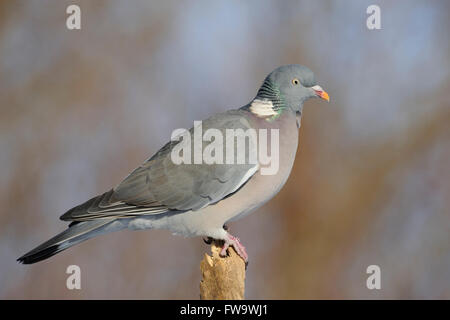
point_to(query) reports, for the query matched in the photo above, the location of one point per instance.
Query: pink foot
(236, 244)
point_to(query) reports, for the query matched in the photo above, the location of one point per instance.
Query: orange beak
(321, 93)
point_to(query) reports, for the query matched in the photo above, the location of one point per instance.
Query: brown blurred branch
(223, 278)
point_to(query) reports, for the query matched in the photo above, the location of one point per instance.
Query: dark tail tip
(40, 255)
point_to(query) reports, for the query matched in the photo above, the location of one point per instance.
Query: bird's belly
(261, 188)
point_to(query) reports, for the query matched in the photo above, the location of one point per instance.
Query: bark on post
(223, 278)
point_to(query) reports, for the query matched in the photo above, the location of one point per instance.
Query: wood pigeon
(198, 198)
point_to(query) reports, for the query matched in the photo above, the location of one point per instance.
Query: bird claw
(237, 245)
(208, 240)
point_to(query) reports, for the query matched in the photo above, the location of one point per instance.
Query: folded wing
(159, 185)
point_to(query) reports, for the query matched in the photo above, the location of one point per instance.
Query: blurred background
(370, 185)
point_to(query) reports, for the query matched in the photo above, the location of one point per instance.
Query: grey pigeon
(198, 198)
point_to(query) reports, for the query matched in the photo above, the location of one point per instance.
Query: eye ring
(295, 81)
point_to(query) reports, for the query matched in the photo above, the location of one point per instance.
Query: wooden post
(223, 278)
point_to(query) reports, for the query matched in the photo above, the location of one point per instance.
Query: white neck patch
(262, 108)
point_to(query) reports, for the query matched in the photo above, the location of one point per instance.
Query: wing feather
(159, 185)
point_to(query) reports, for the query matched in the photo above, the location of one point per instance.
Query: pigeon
(198, 198)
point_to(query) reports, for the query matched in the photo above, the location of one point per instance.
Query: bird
(200, 199)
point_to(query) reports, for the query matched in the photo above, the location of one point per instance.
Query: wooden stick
(223, 278)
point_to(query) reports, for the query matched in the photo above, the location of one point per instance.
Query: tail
(76, 233)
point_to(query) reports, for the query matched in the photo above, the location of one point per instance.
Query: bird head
(290, 86)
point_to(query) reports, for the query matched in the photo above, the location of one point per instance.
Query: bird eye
(295, 81)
